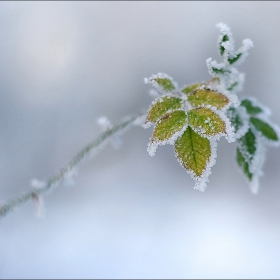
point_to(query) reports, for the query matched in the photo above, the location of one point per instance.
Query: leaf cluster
(193, 118)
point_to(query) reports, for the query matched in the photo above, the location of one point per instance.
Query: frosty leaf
(161, 106)
(234, 59)
(264, 128)
(224, 39)
(202, 97)
(190, 88)
(235, 119)
(239, 120)
(162, 82)
(243, 164)
(220, 71)
(204, 121)
(251, 108)
(193, 151)
(165, 83)
(248, 145)
(241, 54)
(232, 86)
(167, 130)
(168, 125)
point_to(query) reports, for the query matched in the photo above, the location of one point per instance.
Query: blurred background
(129, 215)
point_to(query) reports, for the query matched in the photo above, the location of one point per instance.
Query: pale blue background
(64, 64)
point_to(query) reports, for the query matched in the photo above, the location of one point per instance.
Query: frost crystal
(40, 205)
(68, 179)
(37, 184)
(212, 110)
(104, 123)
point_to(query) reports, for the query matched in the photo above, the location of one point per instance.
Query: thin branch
(87, 152)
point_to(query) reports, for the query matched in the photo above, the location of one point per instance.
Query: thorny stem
(93, 146)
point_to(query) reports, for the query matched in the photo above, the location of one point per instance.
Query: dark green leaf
(248, 145)
(224, 39)
(265, 129)
(251, 108)
(243, 164)
(234, 59)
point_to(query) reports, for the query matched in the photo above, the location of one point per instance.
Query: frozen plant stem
(92, 147)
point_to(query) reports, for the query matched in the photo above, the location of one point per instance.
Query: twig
(93, 146)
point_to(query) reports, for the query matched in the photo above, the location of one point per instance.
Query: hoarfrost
(264, 139)
(153, 145)
(104, 123)
(154, 93)
(255, 103)
(201, 181)
(241, 111)
(254, 184)
(37, 184)
(229, 133)
(140, 120)
(68, 179)
(40, 205)
(152, 81)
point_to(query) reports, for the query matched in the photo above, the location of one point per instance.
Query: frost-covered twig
(91, 149)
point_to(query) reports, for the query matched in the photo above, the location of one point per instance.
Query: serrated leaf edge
(148, 124)
(152, 81)
(153, 145)
(265, 140)
(245, 118)
(201, 181)
(228, 134)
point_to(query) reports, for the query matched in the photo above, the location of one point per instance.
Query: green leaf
(232, 86)
(239, 119)
(161, 106)
(234, 59)
(235, 119)
(162, 82)
(165, 83)
(248, 146)
(190, 88)
(169, 125)
(202, 97)
(264, 128)
(193, 152)
(206, 122)
(224, 39)
(243, 164)
(250, 107)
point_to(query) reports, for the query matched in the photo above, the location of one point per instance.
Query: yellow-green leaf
(161, 106)
(206, 122)
(193, 151)
(169, 125)
(190, 88)
(165, 83)
(202, 97)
